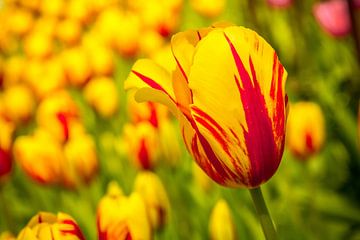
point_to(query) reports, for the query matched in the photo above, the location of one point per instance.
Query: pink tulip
(279, 3)
(333, 17)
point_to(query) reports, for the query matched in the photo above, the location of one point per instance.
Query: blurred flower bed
(80, 157)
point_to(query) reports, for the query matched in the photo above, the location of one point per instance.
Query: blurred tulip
(105, 104)
(206, 8)
(169, 143)
(44, 226)
(230, 100)
(201, 179)
(31, 4)
(46, 25)
(58, 114)
(40, 156)
(79, 10)
(19, 102)
(153, 113)
(333, 17)
(142, 144)
(81, 159)
(221, 225)
(102, 60)
(14, 66)
(122, 218)
(6, 236)
(305, 129)
(21, 21)
(151, 42)
(77, 66)
(38, 45)
(54, 8)
(7, 129)
(280, 3)
(151, 189)
(68, 31)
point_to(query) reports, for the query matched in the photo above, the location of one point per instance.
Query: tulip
(79, 10)
(40, 156)
(151, 42)
(221, 225)
(77, 66)
(210, 9)
(58, 114)
(38, 45)
(122, 218)
(81, 159)
(106, 105)
(21, 21)
(44, 226)
(238, 142)
(19, 102)
(14, 67)
(280, 3)
(68, 31)
(333, 17)
(54, 8)
(305, 129)
(151, 189)
(228, 92)
(6, 236)
(101, 60)
(142, 144)
(153, 113)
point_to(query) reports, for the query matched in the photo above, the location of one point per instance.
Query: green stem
(263, 214)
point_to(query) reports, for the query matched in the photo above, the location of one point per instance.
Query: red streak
(64, 123)
(143, 155)
(262, 150)
(5, 162)
(75, 231)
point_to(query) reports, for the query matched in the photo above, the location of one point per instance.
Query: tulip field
(179, 119)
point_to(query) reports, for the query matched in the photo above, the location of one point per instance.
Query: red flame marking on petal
(75, 231)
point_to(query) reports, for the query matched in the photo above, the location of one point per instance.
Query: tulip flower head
(46, 226)
(333, 17)
(122, 218)
(151, 189)
(7, 128)
(305, 129)
(210, 9)
(221, 225)
(228, 92)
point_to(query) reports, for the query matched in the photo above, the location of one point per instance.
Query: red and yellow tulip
(305, 129)
(151, 189)
(122, 218)
(44, 226)
(228, 91)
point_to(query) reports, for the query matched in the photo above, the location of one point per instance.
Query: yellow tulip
(40, 156)
(121, 218)
(105, 104)
(81, 160)
(228, 91)
(44, 226)
(53, 8)
(77, 66)
(6, 236)
(101, 60)
(151, 189)
(19, 102)
(21, 21)
(31, 4)
(38, 45)
(68, 31)
(142, 144)
(210, 9)
(221, 225)
(79, 10)
(305, 129)
(14, 66)
(150, 42)
(58, 114)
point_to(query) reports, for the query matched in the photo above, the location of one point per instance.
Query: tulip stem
(263, 214)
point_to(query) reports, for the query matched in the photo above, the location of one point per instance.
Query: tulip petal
(238, 95)
(153, 82)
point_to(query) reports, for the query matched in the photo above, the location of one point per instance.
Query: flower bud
(19, 102)
(46, 226)
(81, 160)
(38, 44)
(221, 225)
(21, 21)
(151, 189)
(142, 144)
(120, 217)
(14, 66)
(210, 9)
(68, 31)
(105, 104)
(305, 129)
(40, 156)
